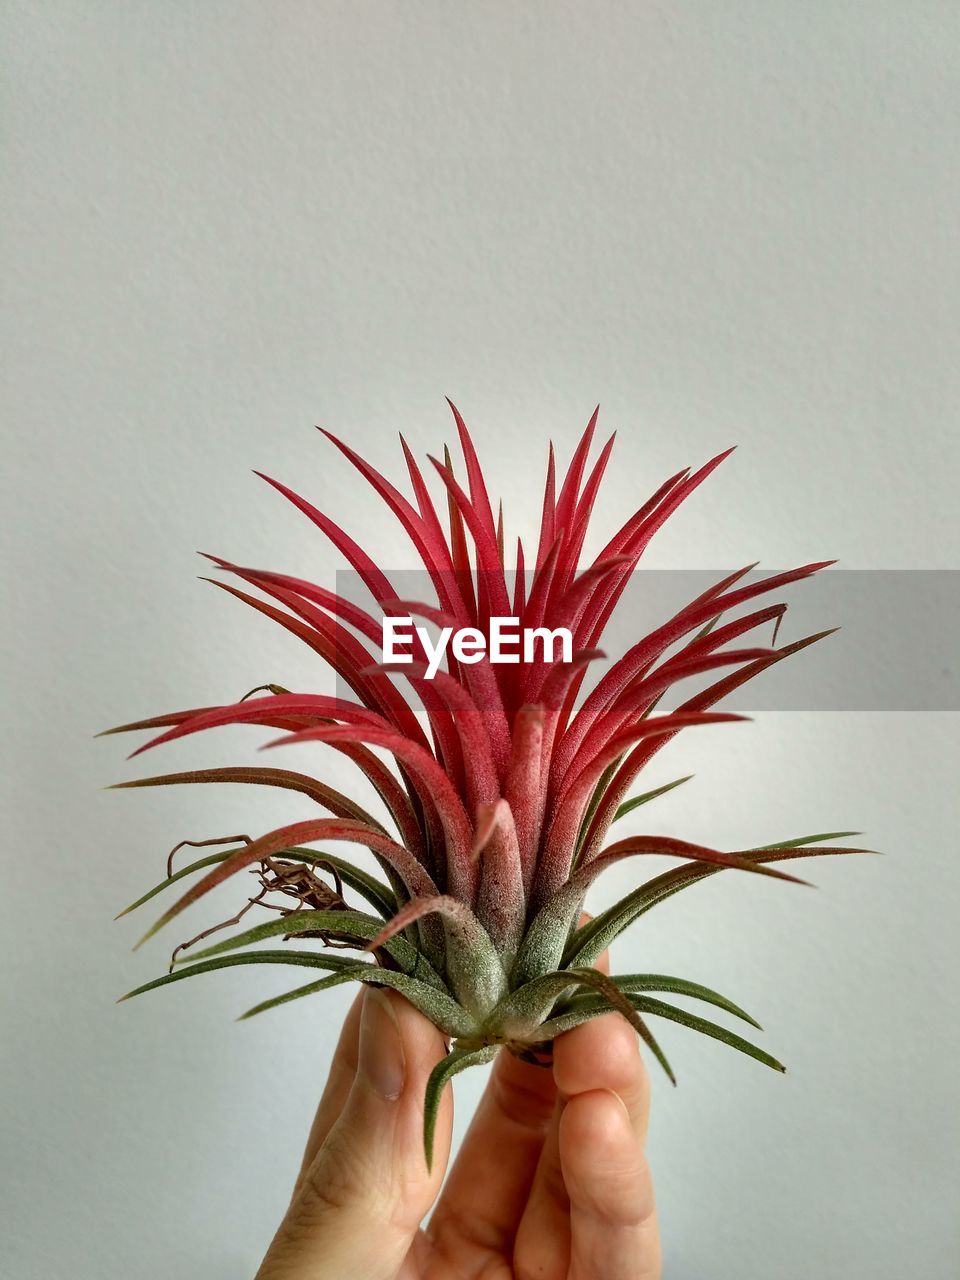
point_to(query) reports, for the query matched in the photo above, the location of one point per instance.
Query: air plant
(505, 781)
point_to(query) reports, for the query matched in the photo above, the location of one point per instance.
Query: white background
(226, 222)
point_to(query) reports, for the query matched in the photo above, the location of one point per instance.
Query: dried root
(289, 879)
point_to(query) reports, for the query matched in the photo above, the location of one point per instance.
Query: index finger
(343, 1068)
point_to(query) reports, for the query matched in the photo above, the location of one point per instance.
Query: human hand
(550, 1183)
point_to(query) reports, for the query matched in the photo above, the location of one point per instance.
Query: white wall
(227, 221)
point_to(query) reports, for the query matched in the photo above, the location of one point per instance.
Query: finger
(613, 1225)
(603, 961)
(368, 1187)
(343, 1068)
(484, 1196)
(542, 1244)
(604, 1055)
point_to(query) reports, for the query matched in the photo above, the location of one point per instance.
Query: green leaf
(310, 959)
(355, 924)
(637, 983)
(445, 1014)
(800, 841)
(208, 861)
(549, 937)
(657, 1008)
(594, 803)
(650, 1040)
(628, 806)
(334, 801)
(523, 1010)
(455, 1062)
(581, 1010)
(634, 983)
(584, 1009)
(593, 938)
(602, 983)
(542, 948)
(379, 895)
(520, 1015)
(474, 966)
(311, 988)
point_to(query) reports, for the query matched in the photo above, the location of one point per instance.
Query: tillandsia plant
(506, 778)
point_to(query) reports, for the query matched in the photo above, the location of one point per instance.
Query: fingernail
(381, 1049)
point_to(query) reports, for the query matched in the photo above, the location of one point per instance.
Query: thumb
(368, 1189)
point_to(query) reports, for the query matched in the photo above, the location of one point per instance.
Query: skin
(550, 1183)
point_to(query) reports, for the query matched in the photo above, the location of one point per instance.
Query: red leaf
(570, 489)
(314, 706)
(647, 650)
(523, 790)
(432, 784)
(548, 513)
(335, 801)
(501, 903)
(628, 771)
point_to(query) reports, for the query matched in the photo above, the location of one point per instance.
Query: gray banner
(896, 650)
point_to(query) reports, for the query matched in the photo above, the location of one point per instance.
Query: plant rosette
(502, 779)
